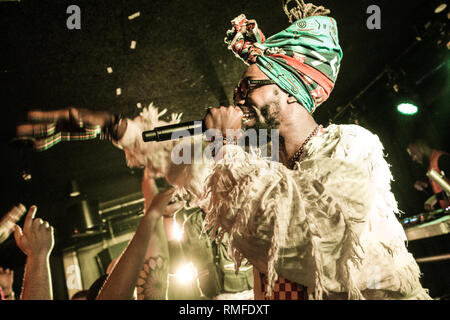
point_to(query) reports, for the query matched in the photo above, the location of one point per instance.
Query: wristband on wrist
(224, 141)
(110, 131)
(219, 143)
(231, 140)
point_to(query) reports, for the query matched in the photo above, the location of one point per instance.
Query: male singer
(319, 225)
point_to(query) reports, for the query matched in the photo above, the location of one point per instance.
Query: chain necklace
(300, 151)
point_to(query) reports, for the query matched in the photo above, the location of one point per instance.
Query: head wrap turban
(303, 59)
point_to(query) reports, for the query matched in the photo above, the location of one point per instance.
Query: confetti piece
(133, 44)
(109, 69)
(139, 105)
(118, 91)
(134, 15)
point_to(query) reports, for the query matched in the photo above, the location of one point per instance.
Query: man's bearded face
(261, 106)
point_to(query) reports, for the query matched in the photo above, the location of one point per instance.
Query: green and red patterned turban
(303, 59)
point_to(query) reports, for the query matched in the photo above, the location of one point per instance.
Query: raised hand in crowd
(47, 128)
(36, 241)
(6, 283)
(121, 283)
(420, 185)
(9, 220)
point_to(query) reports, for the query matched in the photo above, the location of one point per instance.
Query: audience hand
(50, 127)
(6, 281)
(430, 203)
(9, 220)
(37, 236)
(420, 185)
(160, 203)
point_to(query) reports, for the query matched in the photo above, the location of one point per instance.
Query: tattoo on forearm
(152, 280)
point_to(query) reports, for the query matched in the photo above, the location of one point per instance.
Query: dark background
(181, 63)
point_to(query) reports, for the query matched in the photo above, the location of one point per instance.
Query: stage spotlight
(186, 274)
(177, 231)
(408, 109)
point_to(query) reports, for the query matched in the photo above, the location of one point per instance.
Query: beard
(268, 120)
(263, 123)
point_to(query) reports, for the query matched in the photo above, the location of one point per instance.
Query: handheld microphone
(174, 131)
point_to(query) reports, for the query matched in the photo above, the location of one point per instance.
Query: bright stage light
(186, 274)
(407, 109)
(177, 232)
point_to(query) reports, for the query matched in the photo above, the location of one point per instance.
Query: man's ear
(291, 99)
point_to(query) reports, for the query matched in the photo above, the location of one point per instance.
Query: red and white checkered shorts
(284, 290)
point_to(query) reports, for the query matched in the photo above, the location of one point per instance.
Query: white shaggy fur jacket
(330, 224)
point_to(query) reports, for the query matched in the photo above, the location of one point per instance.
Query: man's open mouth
(249, 114)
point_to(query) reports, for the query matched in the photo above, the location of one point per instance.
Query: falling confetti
(134, 15)
(118, 91)
(109, 69)
(133, 44)
(139, 105)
